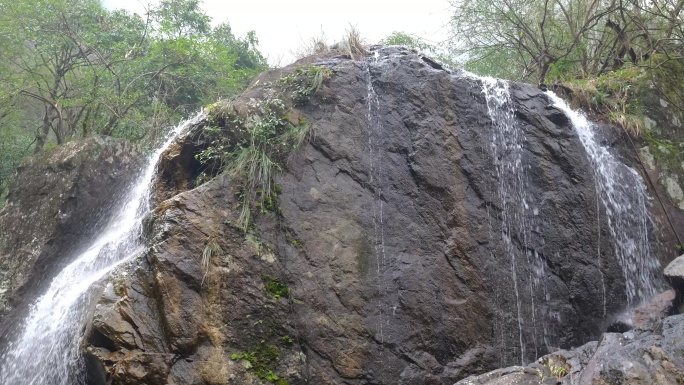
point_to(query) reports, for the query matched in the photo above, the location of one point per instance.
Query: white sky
(282, 25)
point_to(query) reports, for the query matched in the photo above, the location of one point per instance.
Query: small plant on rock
(252, 149)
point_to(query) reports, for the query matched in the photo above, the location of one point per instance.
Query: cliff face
(399, 250)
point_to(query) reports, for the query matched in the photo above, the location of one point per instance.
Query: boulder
(674, 272)
(385, 259)
(647, 356)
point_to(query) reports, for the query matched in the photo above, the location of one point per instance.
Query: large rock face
(388, 258)
(56, 203)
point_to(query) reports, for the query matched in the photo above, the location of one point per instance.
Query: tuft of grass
(314, 46)
(611, 95)
(353, 44)
(211, 249)
(252, 149)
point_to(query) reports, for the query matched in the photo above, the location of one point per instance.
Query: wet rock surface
(384, 262)
(57, 202)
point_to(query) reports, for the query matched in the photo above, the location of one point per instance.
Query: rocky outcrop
(640, 356)
(385, 259)
(56, 203)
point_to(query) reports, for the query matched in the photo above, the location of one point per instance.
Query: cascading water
(46, 351)
(517, 215)
(625, 200)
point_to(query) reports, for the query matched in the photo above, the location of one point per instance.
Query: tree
(70, 69)
(94, 71)
(550, 39)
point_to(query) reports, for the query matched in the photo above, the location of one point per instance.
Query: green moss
(286, 339)
(263, 361)
(666, 152)
(364, 251)
(275, 287)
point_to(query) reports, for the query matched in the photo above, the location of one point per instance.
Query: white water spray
(46, 351)
(625, 200)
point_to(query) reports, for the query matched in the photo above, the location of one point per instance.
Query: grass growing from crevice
(252, 149)
(211, 249)
(618, 95)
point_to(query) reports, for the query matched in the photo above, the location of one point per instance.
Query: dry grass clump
(351, 44)
(314, 46)
(213, 367)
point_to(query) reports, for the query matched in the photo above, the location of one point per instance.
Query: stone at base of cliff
(674, 272)
(635, 357)
(645, 316)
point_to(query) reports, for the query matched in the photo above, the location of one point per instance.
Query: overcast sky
(283, 25)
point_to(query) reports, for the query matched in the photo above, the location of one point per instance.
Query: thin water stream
(46, 349)
(375, 180)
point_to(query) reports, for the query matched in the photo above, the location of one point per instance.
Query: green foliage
(263, 360)
(275, 287)
(564, 39)
(14, 145)
(559, 69)
(72, 68)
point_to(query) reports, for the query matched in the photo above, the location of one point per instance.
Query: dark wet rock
(647, 356)
(57, 202)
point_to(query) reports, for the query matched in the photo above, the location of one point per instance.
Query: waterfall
(517, 213)
(46, 350)
(623, 195)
